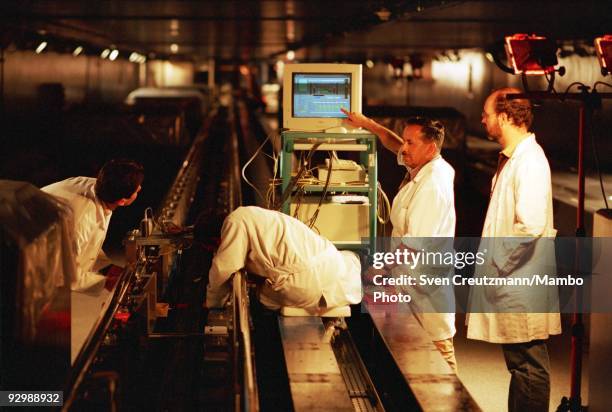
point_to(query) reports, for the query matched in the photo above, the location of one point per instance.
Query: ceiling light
(41, 47)
(489, 57)
(290, 55)
(174, 48)
(78, 50)
(174, 25)
(290, 31)
(383, 14)
(113, 55)
(369, 64)
(279, 66)
(105, 53)
(137, 58)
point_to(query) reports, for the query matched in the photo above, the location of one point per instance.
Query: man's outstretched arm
(389, 139)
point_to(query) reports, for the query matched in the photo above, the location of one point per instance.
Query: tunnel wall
(85, 78)
(465, 84)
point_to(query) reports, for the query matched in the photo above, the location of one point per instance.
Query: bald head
(517, 111)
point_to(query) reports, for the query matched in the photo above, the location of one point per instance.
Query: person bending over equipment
(301, 269)
(93, 201)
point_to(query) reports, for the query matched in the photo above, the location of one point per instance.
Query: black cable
(567, 89)
(597, 166)
(604, 83)
(287, 193)
(497, 60)
(551, 82)
(313, 219)
(298, 199)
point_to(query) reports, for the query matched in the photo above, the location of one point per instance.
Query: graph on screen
(321, 94)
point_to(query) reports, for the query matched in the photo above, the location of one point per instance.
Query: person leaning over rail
(518, 221)
(424, 207)
(93, 201)
(301, 269)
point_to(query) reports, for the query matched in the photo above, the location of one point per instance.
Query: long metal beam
(164, 17)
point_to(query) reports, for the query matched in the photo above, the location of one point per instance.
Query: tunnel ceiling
(320, 30)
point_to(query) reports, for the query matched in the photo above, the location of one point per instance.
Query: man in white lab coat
(520, 211)
(93, 201)
(423, 208)
(301, 269)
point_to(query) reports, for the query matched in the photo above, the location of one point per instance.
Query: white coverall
(91, 221)
(425, 208)
(520, 207)
(300, 266)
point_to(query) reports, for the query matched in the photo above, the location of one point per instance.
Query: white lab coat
(299, 266)
(425, 208)
(91, 224)
(518, 235)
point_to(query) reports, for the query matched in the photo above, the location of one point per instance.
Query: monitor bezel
(319, 124)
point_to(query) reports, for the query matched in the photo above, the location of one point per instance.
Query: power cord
(383, 212)
(313, 218)
(259, 149)
(597, 164)
(569, 87)
(604, 83)
(297, 177)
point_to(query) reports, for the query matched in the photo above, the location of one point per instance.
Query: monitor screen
(318, 95)
(313, 94)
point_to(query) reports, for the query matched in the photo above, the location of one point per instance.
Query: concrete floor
(483, 371)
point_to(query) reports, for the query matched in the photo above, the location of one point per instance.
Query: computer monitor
(313, 94)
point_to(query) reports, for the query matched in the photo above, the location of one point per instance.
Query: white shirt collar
(415, 174)
(524, 144)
